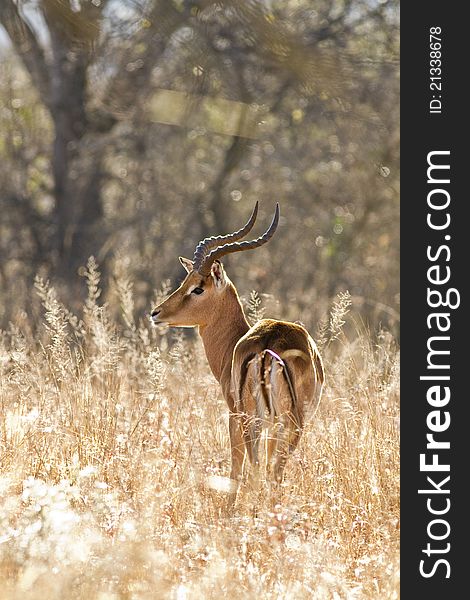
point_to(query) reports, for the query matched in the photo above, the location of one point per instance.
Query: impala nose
(154, 314)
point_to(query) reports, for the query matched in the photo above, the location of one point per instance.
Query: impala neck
(227, 325)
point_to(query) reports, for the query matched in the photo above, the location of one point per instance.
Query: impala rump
(275, 388)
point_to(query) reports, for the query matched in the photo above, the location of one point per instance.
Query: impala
(271, 374)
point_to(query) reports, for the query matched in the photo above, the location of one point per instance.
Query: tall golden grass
(114, 446)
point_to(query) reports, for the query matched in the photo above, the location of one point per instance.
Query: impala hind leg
(275, 433)
(286, 446)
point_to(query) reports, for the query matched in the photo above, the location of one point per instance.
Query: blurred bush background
(130, 129)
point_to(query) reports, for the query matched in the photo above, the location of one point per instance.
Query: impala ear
(218, 274)
(187, 264)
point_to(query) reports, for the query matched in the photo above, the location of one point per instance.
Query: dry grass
(112, 442)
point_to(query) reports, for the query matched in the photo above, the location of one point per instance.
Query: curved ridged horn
(205, 267)
(203, 248)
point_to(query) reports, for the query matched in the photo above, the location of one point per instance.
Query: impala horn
(203, 259)
(204, 247)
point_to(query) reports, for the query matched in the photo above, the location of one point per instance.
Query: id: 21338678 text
(435, 70)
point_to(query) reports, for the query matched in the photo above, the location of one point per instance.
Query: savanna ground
(114, 445)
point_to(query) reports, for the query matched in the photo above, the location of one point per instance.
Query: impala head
(204, 288)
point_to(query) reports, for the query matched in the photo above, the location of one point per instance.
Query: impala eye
(197, 291)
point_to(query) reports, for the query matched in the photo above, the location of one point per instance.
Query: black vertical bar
(424, 131)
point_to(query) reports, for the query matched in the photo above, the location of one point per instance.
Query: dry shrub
(110, 431)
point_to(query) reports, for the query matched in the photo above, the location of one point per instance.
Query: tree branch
(125, 89)
(27, 47)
